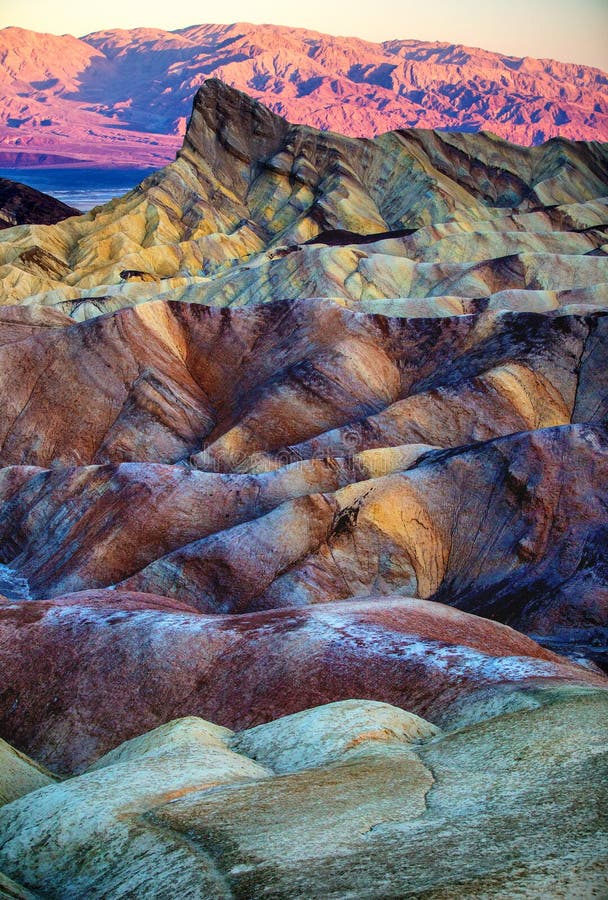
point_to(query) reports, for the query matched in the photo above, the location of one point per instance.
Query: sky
(568, 30)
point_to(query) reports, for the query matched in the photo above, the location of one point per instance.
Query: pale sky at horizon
(568, 30)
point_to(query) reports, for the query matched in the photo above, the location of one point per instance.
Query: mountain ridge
(122, 97)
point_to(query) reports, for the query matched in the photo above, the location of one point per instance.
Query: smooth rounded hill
(144, 659)
(349, 797)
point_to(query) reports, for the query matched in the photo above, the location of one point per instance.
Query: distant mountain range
(116, 98)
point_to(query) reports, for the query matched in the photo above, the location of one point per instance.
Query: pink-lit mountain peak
(121, 97)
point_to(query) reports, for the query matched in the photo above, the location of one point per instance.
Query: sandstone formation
(421, 315)
(308, 420)
(121, 97)
(254, 210)
(350, 799)
(530, 551)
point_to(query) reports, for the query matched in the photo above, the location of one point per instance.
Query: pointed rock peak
(231, 119)
(216, 94)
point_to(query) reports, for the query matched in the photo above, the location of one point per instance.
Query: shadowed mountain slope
(20, 204)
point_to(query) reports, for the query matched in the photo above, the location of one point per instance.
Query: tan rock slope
(123, 97)
(306, 420)
(19, 775)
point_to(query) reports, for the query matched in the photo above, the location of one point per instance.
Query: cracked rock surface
(349, 799)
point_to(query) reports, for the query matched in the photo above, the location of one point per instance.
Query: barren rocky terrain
(117, 97)
(20, 205)
(304, 522)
